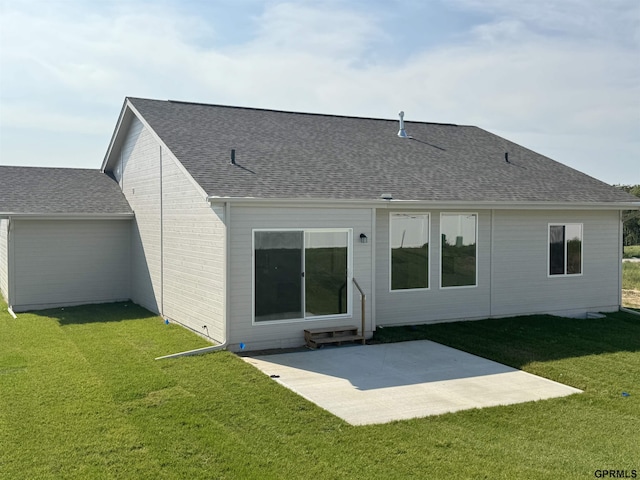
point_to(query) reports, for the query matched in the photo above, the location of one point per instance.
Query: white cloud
(589, 20)
(336, 32)
(547, 91)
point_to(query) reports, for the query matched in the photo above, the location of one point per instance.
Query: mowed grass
(631, 276)
(632, 251)
(81, 397)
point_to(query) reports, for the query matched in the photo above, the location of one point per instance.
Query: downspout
(372, 303)
(225, 341)
(620, 256)
(10, 274)
(161, 239)
(491, 254)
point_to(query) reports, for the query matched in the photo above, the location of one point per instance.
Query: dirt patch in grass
(631, 298)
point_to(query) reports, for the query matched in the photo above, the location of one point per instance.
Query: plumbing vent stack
(233, 156)
(401, 132)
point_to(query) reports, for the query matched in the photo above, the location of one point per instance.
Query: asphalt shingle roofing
(35, 190)
(301, 155)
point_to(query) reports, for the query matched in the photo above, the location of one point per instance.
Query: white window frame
(305, 318)
(420, 289)
(566, 257)
(475, 214)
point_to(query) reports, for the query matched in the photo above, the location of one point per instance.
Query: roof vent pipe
(233, 156)
(401, 132)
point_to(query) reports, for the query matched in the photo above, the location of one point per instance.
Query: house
(249, 226)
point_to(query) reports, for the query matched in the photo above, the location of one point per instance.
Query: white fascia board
(114, 136)
(68, 216)
(380, 203)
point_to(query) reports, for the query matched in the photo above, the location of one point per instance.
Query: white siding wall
(194, 254)
(512, 273)
(4, 258)
(276, 335)
(140, 181)
(521, 284)
(178, 239)
(59, 262)
(435, 304)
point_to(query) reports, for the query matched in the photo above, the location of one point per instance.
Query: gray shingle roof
(299, 155)
(35, 190)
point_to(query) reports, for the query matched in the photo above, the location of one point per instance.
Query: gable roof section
(59, 191)
(286, 155)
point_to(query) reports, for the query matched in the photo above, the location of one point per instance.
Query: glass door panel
(278, 276)
(326, 276)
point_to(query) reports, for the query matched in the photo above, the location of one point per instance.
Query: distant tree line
(631, 218)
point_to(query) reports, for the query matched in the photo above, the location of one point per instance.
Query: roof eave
(393, 203)
(67, 216)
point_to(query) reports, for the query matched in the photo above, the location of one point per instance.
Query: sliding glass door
(301, 274)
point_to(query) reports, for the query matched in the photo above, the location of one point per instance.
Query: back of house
(251, 226)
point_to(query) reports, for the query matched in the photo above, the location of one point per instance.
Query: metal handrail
(363, 299)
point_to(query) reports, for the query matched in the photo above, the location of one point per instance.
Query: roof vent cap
(401, 132)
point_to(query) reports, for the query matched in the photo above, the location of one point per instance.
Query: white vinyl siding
(512, 270)
(521, 281)
(435, 304)
(4, 258)
(178, 239)
(246, 219)
(59, 262)
(193, 254)
(140, 180)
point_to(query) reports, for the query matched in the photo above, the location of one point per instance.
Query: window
(458, 251)
(409, 245)
(301, 274)
(565, 249)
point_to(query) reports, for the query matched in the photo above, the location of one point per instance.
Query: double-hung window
(565, 249)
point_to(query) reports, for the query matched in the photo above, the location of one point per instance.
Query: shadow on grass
(95, 313)
(518, 341)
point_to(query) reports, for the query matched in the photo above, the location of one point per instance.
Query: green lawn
(631, 275)
(632, 251)
(81, 397)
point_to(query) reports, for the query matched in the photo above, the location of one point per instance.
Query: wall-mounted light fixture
(363, 238)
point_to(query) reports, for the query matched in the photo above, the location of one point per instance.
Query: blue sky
(561, 77)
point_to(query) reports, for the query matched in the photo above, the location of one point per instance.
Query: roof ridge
(330, 115)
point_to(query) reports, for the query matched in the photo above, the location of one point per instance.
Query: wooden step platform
(316, 337)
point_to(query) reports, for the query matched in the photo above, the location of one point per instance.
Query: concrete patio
(380, 383)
